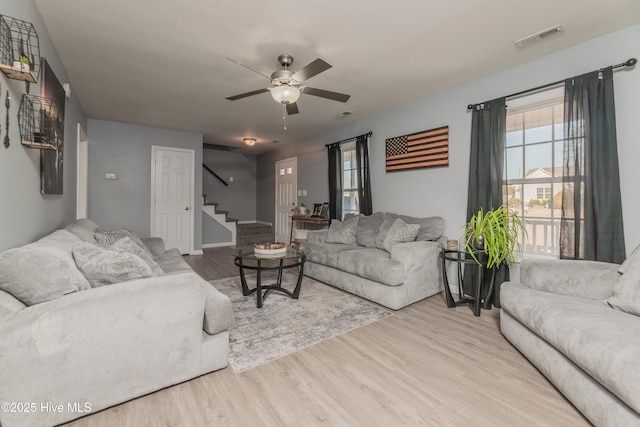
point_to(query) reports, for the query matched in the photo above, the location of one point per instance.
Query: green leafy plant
(496, 234)
(24, 59)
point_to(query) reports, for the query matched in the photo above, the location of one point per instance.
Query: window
(533, 167)
(350, 203)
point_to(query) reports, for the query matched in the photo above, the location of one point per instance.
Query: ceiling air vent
(534, 38)
(344, 114)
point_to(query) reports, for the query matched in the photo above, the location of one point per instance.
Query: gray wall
(25, 214)
(443, 191)
(126, 150)
(239, 197)
(214, 232)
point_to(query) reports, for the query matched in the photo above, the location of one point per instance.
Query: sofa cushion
(372, 264)
(173, 262)
(103, 267)
(626, 292)
(605, 343)
(400, 232)
(368, 228)
(387, 222)
(325, 253)
(43, 270)
(343, 232)
(635, 254)
(126, 245)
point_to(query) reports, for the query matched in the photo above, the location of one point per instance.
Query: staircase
(242, 234)
(254, 232)
(222, 217)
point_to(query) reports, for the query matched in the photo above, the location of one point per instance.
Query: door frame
(192, 160)
(275, 208)
(82, 173)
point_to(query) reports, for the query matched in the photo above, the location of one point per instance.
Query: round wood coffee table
(247, 259)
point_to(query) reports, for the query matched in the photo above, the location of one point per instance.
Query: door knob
(187, 208)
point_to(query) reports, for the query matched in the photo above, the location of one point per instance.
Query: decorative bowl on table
(269, 248)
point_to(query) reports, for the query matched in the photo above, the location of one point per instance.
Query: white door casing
(172, 186)
(286, 196)
(82, 173)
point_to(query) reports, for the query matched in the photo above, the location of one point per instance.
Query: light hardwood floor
(426, 365)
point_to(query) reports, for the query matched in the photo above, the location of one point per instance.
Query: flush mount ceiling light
(250, 141)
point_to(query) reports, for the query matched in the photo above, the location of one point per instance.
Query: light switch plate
(110, 175)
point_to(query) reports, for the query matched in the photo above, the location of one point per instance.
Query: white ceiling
(163, 63)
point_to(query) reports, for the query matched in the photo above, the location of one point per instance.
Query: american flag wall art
(424, 149)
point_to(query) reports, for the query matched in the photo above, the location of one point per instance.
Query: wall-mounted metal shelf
(39, 123)
(19, 49)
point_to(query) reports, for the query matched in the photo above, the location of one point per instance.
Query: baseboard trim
(217, 245)
(254, 222)
(196, 252)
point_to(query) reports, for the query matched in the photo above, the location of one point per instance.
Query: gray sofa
(360, 256)
(76, 347)
(577, 322)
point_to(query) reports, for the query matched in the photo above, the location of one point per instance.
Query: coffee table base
(263, 291)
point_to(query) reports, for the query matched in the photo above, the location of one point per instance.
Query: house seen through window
(350, 203)
(533, 167)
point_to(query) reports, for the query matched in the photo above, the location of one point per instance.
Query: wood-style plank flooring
(426, 365)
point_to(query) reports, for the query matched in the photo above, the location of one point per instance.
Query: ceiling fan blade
(244, 95)
(310, 70)
(292, 109)
(341, 97)
(248, 68)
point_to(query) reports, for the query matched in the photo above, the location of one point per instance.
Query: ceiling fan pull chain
(284, 115)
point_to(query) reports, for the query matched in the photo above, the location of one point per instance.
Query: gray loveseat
(361, 256)
(561, 316)
(70, 346)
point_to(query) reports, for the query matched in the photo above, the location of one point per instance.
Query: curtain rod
(350, 139)
(628, 63)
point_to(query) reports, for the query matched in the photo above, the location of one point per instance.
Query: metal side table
(462, 259)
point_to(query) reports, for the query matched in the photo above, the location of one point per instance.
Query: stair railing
(215, 174)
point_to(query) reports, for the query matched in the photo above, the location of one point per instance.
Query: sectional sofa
(578, 323)
(84, 327)
(387, 258)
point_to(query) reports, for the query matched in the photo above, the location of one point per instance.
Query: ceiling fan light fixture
(250, 141)
(285, 94)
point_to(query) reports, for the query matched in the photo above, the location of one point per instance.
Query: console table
(307, 220)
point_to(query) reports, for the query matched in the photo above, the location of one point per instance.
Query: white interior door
(286, 196)
(82, 174)
(172, 183)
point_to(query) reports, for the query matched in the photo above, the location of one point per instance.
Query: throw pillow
(126, 245)
(34, 276)
(626, 293)
(343, 232)
(629, 260)
(368, 228)
(400, 232)
(102, 267)
(431, 228)
(108, 237)
(387, 222)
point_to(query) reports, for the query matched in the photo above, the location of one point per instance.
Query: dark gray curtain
(364, 180)
(488, 134)
(591, 180)
(335, 181)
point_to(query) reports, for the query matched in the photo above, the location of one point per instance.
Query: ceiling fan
(286, 86)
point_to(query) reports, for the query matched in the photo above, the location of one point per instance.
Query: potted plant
(496, 234)
(22, 63)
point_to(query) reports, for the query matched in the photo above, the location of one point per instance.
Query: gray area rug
(284, 325)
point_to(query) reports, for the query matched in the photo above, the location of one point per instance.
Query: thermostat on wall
(110, 175)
